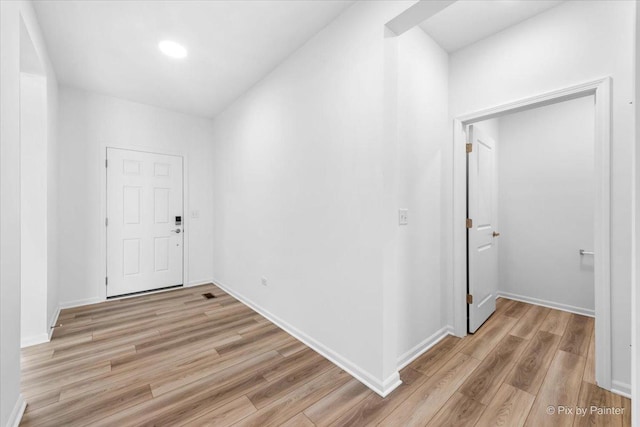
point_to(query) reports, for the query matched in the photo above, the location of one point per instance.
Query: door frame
(186, 226)
(601, 89)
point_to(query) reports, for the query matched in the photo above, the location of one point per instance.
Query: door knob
(177, 230)
(495, 234)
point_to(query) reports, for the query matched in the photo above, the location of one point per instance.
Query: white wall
(546, 204)
(34, 250)
(53, 283)
(299, 184)
(636, 283)
(39, 202)
(423, 132)
(88, 123)
(571, 43)
(11, 14)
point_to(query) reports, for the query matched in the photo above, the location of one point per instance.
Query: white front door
(144, 221)
(481, 205)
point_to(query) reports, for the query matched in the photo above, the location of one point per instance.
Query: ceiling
(110, 47)
(468, 21)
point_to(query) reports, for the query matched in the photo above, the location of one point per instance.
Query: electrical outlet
(264, 281)
(403, 216)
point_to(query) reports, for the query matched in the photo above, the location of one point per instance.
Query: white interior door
(144, 221)
(481, 233)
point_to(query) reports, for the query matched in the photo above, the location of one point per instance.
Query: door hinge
(106, 163)
(469, 223)
(106, 222)
(469, 147)
(469, 299)
(106, 281)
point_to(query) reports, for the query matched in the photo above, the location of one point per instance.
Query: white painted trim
(96, 300)
(623, 389)
(423, 346)
(388, 385)
(34, 340)
(53, 321)
(199, 282)
(382, 388)
(79, 302)
(417, 13)
(18, 411)
(545, 303)
(601, 89)
(186, 219)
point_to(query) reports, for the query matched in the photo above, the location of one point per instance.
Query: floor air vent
(208, 295)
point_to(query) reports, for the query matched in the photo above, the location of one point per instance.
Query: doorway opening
(530, 195)
(476, 197)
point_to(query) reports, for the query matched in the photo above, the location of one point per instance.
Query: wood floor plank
(70, 365)
(289, 364)
(502, 304)
(137, 374)
(530, 322)
(531, 368)
(374, 408)
(594, 399)
(37, 401)
(221, 372)
(509, 408)
(555, 322)
(273, 391)
(517, 309)
(590, 367)
(225, 415)
(559, 389)
(291, 404)
(188, 403)
(437, 356)
(626, 416)
(427, 400)
(486, 379)
(577, 335)
(57, 382)
(292, 348)
(334, 405)
(82, 412)
(299, 420)
(177, 359)
(459, 410)
(489, 335)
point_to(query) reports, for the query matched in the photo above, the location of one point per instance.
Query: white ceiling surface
(468, 21)
(111, 47)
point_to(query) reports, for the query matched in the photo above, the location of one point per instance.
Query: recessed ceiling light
(172, 49)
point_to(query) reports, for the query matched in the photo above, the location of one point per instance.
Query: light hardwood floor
(176, 358)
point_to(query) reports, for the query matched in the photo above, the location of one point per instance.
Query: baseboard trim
(549, 304)
(382, 388)
(424, 346)
(18, 411)
(43, 337)
(53, 321)
(389, 384)
(96, 300)
(623, 389)
(199, 282)
(80, 302)
(34, 340)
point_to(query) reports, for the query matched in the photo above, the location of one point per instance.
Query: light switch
(403, 216)
(195, 214)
